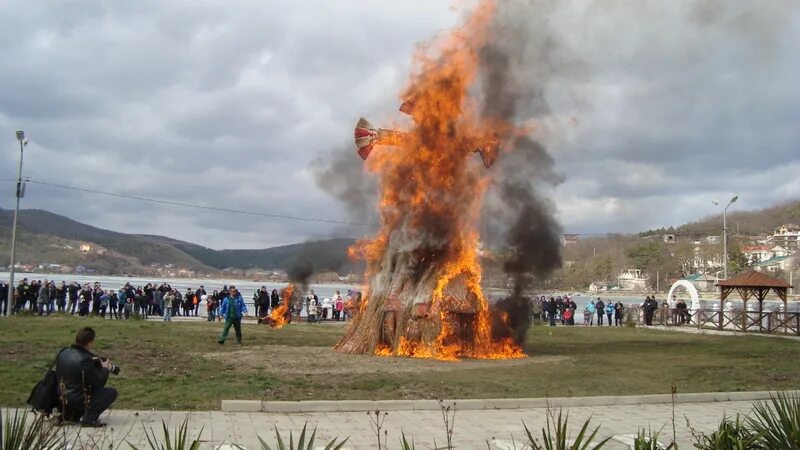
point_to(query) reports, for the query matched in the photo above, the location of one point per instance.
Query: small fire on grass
(281, 315)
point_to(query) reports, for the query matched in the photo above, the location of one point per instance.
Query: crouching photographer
(82, 378)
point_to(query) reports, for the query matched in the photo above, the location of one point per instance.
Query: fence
(772, 322)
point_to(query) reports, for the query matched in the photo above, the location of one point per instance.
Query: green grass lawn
(179, 365)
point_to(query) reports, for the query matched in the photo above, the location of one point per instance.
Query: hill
(52, 238)
(755, 222)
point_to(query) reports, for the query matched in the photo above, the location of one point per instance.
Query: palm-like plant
(17, 433)
(777, 422)
(180, 441)
(649, 441)
(730, 435)
(302, 444)
(555, 435)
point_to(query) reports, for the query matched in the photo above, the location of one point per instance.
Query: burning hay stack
(424, 297)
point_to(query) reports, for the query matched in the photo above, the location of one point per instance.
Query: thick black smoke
(300, 272)
(515, 68)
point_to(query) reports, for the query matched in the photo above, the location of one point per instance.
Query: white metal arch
(692, 293)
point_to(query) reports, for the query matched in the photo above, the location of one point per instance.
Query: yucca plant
(18, 433)
(555, 435)
(302, 444)
(730, 435)
(777, 422)
(649, 441)
(404, 444)
(180, 441)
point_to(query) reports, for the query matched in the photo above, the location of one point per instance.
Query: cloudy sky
(664, 106)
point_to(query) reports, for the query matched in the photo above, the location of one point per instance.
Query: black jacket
(79, 371)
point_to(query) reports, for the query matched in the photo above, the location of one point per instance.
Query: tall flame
(431, 190)
(279, 316)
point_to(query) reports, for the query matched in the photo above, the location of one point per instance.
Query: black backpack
(44, 396)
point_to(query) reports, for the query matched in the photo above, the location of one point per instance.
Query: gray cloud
(653, 107)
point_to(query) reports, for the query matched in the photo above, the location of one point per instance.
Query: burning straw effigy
(424, 296)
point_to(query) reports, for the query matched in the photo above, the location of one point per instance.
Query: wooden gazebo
(753, 284)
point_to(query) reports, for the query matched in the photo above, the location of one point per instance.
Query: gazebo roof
(754, 279)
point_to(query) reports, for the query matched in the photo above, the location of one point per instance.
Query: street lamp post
(11, 288)
(725, 235)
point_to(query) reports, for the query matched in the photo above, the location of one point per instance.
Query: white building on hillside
(632, 280)
(760, 253)
(787, 236)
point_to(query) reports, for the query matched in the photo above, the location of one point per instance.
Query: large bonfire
(424, 296)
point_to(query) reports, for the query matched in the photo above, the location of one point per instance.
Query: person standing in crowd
(125, 306)
(683, 311)
(31, 295)
(649, 307)
(619, 313)
(311, 309)
(138, 303)
(51, 302)
(61, 296)
(609, 312)
(149, 303)
(113, 305)
(43, 297)
(592, 308)
(587, 316)
(232, 308)
(169, 300)
(21, 293)
(198, 296)
(83, 307)
(4, 299)
(263, 302)
(309, 298)
(600, 308)
(158, 302)
(86, 294)
(177, 301)
(188, 302)
(569, 316)
(72, 292)
(122, 300)
(274, 299)
(338, 305)
(552, 308)
(255, 303)
(105, 300)
(96, 294)
(560, 308)
(211, 307)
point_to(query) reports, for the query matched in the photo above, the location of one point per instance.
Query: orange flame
(431, 192)
(279, 316)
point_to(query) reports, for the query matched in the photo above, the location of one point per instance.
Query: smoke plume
(516, 67)
(341, 174)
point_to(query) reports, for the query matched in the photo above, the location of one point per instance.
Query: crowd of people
(563, 309)
(44, 297)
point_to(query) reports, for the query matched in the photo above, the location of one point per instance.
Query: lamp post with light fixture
(11, 288)
(725, 235)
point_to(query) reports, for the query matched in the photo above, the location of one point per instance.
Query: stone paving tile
(473, 428)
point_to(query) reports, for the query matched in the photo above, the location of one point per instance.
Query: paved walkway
(473, 429)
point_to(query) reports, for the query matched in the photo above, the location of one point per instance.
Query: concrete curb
(481, 404)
